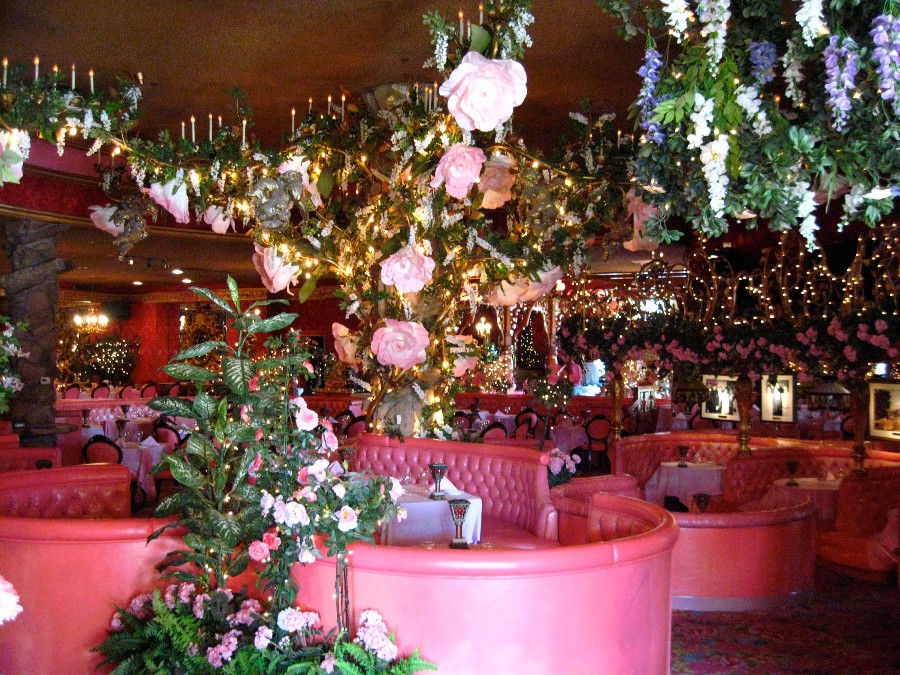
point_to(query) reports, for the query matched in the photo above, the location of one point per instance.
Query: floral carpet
(847, 626)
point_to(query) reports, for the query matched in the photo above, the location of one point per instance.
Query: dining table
(567, 436)
(428, 521)
(822, 494)
(140, 458)
(683, 482)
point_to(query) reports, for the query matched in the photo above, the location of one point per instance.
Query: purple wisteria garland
(841, 66)
(762, 58)
(647, 99)
(886, 36)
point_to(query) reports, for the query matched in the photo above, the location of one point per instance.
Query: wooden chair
(341, 420)
(356, 426)
(524, 429)
(148, 390)
(462, 420)
(174, 390)
(535, 420)
(561, 415)
(597, 429)
(100, 449)
(100, 391)
(164, 432)
(493, 430)
(72, 391)
(129, 392)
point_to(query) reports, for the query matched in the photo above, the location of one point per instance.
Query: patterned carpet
(847, 626)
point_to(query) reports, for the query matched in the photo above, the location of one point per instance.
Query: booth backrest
(511, 482)
(864, 501)
(612, 517)
(23, 459)
(89, 491)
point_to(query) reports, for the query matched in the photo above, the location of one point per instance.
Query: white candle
(37, 67)
(220, 121)
(210, 127)
(293, 120)
(182, 130)
(310, 105)
(140, 78)
(91, 78)
(469, 30)
(416, 93)
(427, 99)
(480, 14)
(55, 69)
(244, 133)
(73, 76)
(329, 104)
(435, 90)
(343, 100)
(5, 68)
(193, 130)
(461, 25)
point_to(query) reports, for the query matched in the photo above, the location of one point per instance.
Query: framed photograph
(720, 403)
(884, 410)
(777, 398)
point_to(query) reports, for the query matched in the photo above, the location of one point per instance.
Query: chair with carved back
(148, 390)
(341, 420)
(72, 391)
(174, 390)
(102, 450)
(166, 433)
(493, 430)
(597, 429)
(534, 419)
(100, 391)
(356, 426)
(129, 392)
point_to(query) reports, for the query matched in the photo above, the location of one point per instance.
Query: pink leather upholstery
(602, 607)
(72, 492)
(512, 482)
(863, 504)
(572, 500)
(743, 560)
(70, 573)
(23, 459)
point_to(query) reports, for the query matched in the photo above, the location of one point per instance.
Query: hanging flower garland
(724, 144)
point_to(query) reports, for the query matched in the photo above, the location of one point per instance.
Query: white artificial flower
(701, 118)
(747, 97)
(811, 21)
(793, 75)
(714, 15)
(678, 15)
(713, 156)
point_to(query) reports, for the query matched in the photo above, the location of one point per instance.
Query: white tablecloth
(823, 494)
(141, 459)
(684, 482)
(430, 519)
(567, 437)
(508, 421)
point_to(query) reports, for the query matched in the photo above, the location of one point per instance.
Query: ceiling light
(138, 283)
(185, 281)
(177, 271)
(91, 321)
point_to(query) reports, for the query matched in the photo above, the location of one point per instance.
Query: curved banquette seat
(573, 502)
(70, 551)
(511, 482)
(599, 607)
(14, 458)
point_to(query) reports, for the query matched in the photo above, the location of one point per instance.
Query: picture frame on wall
(721, 398)
(776, 401)
(884, 409)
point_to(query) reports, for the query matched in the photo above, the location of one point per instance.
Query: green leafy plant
(10, 383)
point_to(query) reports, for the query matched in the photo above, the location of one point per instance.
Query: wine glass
(702, 500)
(792, 466)
(682, 455)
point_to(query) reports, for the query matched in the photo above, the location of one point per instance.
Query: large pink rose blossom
(345, 344)
(276, 274)
(102, 217)
(407, 270)
(172, 196)
(258, 551)
(347, 518)
(306, 419)
(299, 164)
(482, 92)
(400, 343)
(641, 212)
(525, 289)
(497, 181)
(218, 220)
(459, 168)
(461, 345)
(9, 602)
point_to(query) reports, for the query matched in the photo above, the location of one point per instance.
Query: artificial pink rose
(574, 372)
(482, 92)
(346, 518)
(218, 220)
(258, 551)
(461, 345)
(271, 540)
(255, 465)
(407, 270)
(524, 289)
(345, 344)
(172, 196)
(459, 168)
(330, 440)
(9, 602)
(306, 419)
(640, 211)
(276, 274)
(400, 343)
(102, 217)
(299, 164)
(497, 181)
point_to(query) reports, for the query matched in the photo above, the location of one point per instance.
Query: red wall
(157, 326)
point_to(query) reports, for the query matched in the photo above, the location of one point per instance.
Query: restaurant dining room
(509, 337)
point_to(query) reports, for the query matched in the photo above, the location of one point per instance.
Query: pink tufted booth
(70, 571)
(511, 482)
(601, 607)
(572, 500)
(746, 560)
(14, 458)
(863, 505)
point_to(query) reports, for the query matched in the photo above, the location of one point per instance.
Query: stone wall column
(32, 290)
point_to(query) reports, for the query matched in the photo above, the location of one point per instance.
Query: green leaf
(272, 324)
(237, 374)
(239, 563)
(325, 183)
(306, 290)
(226, 527)
(204, 405)
(215, 299)
(480, 40)
(185, 371)
(200, 446)
(199, 350)
(184, 473)
(235, 294)
(172, 405)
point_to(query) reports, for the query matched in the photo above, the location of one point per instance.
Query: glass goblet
(792, 466)
(682, 455)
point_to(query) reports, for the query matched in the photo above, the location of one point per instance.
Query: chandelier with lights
(90, 321)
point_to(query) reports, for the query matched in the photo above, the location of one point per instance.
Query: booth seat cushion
(14, 458)
(572, 500)
(511, 482)
(73, 492)
(500, 533)
(857, 551)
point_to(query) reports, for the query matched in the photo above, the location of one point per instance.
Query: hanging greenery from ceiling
(760, 110)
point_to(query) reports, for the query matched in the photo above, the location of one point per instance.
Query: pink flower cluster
(247, 614)
(373, 635)
(293, 620)
(560, 460)
(219, 655)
